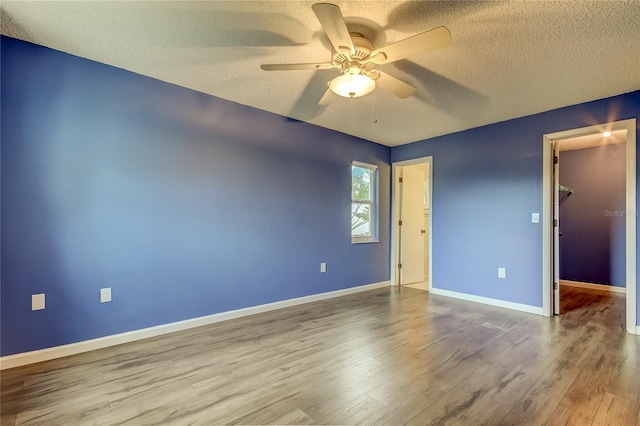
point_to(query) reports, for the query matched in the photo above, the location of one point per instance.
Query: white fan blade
(289, 67)
(394, 86)
(328, 98)
(332, 22)
(416, 45)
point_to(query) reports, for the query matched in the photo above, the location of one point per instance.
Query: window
(364, 202)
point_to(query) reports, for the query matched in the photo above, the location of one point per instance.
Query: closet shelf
(564, 193)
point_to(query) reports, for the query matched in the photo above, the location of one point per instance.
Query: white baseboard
(25, 358)
(638, 329)
(488, 301)
(601, 287)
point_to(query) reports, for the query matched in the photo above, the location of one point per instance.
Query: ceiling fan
(356, 57)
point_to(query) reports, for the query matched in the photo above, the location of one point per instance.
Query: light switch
(535, 217)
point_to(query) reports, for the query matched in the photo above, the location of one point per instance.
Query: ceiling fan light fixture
(352, 85)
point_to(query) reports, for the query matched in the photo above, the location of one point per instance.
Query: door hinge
(400, 180)
(399, 265)
(555, 223)
(555, 285)
(555, 159)
(400, 222)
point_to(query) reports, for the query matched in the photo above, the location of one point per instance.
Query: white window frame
(373, 204)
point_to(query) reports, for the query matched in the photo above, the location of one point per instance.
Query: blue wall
(184, 204)
(592, 221)
(188, 205)
(486, 183)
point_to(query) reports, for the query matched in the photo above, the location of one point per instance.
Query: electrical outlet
(535, 217)
(37, 302)
(105, 295)
(323, 267)
(502, 272)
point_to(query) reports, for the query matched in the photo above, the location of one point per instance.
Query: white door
(427, 219)
(412, 230)
(556, 231)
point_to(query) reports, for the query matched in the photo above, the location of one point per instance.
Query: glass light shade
(352, 86)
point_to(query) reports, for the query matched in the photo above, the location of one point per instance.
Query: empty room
(356, 212)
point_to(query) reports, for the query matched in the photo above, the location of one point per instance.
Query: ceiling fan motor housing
(352, 64)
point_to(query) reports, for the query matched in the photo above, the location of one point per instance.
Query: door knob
(422, 231)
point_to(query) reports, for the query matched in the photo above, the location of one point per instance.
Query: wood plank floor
(387, 356)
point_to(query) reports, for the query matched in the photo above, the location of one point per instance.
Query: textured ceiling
(592, 141)
(506, 60)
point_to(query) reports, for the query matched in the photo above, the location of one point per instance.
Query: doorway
(589, 206)
(411, 218)
(551, 194)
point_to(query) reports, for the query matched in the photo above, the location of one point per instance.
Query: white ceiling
(507, 59)
(592, 141)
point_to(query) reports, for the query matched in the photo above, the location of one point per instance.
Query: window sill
(364, 241)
